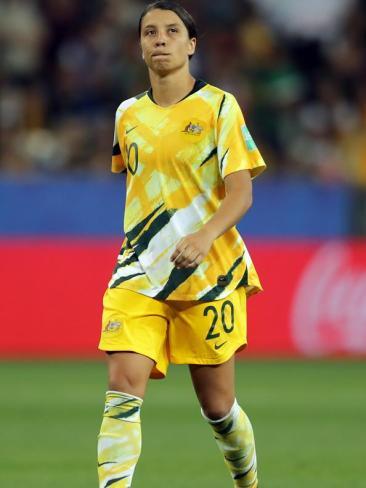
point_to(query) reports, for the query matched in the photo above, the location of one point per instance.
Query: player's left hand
(192, 249)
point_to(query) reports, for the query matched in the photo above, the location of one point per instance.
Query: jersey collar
(197, 86)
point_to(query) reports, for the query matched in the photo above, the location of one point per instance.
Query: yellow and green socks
(234, 436)
(119, 440)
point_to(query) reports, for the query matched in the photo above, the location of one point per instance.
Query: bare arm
(193, 248)
(237, 201)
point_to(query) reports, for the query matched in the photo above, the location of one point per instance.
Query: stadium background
(298, 70)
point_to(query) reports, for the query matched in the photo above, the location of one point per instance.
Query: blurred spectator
(312, 19)
(297, 68)
(23, 31)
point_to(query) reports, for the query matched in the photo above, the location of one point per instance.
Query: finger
(178, 250)
(184, 255)
(193, 260)
(175, 254)
(197, 261)
(178, 261)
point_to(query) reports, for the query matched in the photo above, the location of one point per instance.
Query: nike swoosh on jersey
(130, 130)
(219, 346)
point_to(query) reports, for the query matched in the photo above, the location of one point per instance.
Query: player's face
(165, 41)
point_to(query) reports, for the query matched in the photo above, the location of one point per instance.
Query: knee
(128, 373)
(123, 384)
(126, 381)
(217, 409)
(127, 384)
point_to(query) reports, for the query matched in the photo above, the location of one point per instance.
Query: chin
(166, 67)
(162, 71)
(163, 68)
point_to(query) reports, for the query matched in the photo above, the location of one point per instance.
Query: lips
(160, 54)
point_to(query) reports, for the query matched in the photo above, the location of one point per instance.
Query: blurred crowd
(297, 68)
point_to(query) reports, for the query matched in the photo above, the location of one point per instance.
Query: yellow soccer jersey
(176, 159)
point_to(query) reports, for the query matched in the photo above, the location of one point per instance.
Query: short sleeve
(236, 149)
(118, 164)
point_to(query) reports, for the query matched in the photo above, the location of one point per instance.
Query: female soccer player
(178, 291)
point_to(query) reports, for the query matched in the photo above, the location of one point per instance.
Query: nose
(161, 39)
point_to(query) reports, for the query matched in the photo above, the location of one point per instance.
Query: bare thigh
(129, 372)
(215, 387)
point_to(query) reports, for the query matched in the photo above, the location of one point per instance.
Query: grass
(309, 420)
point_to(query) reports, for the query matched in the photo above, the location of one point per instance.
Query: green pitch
(309, 421)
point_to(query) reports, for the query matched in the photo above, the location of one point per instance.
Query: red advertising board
(313, 304)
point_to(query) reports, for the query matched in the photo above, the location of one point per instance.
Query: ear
(192, 46)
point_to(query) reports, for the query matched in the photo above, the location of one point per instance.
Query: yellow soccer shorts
(179, 332)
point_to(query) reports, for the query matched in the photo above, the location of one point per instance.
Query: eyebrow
(152, 25)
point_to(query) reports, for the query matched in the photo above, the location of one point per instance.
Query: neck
(170, 88)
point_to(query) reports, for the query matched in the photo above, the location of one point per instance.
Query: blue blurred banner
(78, 206)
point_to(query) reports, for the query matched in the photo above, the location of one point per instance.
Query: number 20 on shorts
(214, 331)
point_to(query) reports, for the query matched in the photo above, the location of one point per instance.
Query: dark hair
(182, 13)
